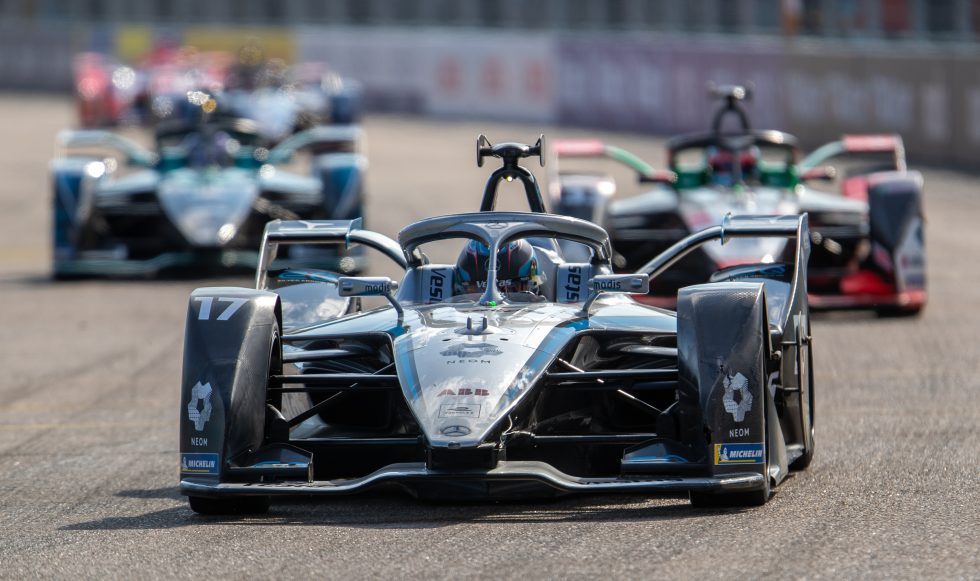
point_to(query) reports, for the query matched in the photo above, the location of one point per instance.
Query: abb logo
(479, 392)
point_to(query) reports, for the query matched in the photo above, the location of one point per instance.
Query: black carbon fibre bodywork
(231, 346)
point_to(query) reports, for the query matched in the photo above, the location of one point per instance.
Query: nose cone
(460, 380)
(208, 209)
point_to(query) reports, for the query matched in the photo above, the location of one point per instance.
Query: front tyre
(809, 442)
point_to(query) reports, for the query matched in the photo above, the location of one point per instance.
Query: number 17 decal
(205, 313)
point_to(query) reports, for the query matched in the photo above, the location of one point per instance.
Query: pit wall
(816, 89)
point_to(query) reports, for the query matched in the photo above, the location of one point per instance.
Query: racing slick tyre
(230, 506)
(809, 442)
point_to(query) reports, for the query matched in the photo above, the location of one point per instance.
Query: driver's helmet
(722, 164)
(210, 148)
(517, 268)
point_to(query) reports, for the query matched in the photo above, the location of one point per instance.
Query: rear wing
(134, 153)
(320, 232)
(863, 143)
(593, 148)
(793, 227)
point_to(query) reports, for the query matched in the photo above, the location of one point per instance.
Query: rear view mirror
(616, 283)
(366, 286)
(824, 173)
(370, 286)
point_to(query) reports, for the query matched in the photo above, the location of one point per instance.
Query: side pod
(230, 343)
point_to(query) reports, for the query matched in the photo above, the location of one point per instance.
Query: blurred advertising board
(817, 89)
(442, 72)
(659, 85)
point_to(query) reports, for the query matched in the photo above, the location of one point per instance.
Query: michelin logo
(199, 463)
(738, 408)
(739, 454)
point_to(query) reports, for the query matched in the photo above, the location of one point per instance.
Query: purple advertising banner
(660, 85)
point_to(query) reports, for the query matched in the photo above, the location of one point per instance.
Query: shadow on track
(393, 510)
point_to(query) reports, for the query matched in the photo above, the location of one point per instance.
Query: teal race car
(200, 201)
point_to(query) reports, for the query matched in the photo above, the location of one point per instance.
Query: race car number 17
(205, 313)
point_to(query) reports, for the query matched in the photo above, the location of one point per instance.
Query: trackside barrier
(817, 89)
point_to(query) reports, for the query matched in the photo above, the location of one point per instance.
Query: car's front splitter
(477, 483)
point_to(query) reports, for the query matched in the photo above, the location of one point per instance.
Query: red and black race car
(865, 210)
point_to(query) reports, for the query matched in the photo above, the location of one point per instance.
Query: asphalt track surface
(89, 418)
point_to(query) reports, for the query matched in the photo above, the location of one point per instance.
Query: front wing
(516, 477)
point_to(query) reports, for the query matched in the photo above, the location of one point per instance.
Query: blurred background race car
(200, 199)
(282, 99)
(867, 238)
(105, 89)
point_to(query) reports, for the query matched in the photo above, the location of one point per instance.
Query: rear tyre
(229, 506)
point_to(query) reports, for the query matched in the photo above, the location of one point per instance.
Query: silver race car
(513, 372)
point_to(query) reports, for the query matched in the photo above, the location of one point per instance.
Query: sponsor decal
(737, 398)
(502, 283)
(204, 314)
(199, 441)
(573, 284)
(472, 350)
(474, 391)
(437, 283)
(194, 463)
(199, 408)
(455, 431)
(624, 283)
(739, 433)
(608, 285)
(459, 410)
(739, 453)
